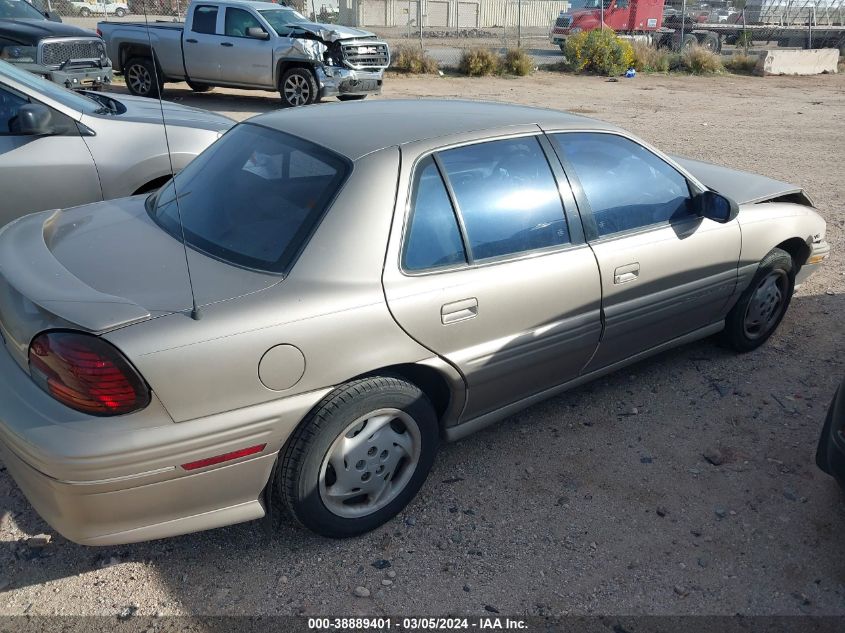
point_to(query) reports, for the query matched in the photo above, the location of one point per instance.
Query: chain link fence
(444, 29)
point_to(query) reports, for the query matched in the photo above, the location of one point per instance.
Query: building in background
(450, 14)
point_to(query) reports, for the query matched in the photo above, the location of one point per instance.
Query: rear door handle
(459, 311)
(191, 41)
(624, 274)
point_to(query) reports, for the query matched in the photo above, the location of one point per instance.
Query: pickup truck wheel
(120, 12)
(141, 77)
(199, 87)
(85, 12)
(759, 310)
(359, 457)
(711, 42)
(298, 87)
(351, 97)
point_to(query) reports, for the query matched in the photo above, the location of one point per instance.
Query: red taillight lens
(86, 373)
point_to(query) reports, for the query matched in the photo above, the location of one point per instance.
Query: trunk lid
(100, 267)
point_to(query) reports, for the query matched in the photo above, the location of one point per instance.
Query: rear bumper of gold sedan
(108, 481)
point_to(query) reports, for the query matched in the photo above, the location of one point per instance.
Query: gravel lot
(596, 502)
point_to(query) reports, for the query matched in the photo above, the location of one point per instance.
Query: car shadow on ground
(271, 566)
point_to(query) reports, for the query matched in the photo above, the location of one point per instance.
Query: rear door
(488, 267)
(42, 172)
(665, 271)
(248, 59)
(202, 43)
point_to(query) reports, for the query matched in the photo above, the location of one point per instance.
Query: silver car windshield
(253, 198)
(282, 19)
(48, 89)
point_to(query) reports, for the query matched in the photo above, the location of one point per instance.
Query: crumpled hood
(740, 186)
(144, 110)
(333, 32)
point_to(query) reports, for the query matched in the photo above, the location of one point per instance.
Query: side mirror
(256, 32)
(33, 119)
(714, 206)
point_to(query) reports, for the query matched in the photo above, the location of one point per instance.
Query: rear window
(253, 198)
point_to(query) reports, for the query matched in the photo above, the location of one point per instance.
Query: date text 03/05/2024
(411, 623)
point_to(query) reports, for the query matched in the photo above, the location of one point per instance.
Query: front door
(248, 59)
(665, 271)
(491, 271)
(42, 172)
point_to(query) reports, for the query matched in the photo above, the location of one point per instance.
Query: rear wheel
(199, 87)
(120, 12)
(689, 40)
(711, 42)
(760, 309)
(351, 97)
(360, 457)
(141, 77)
(85, 12)
(298, 87)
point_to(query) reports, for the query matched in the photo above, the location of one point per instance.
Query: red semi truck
(650, 21)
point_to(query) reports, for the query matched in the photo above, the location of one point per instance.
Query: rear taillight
(86, 373)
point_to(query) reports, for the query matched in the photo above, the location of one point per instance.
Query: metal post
(420, 21)
(810, 18)
(409, 19)
(745, 41)
(519, 24)
(683, 23)
(602, 15)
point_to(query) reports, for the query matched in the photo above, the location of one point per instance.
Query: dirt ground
(579, 505)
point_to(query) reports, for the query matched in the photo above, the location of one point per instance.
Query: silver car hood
(103, 266)
(740, 186)
(144, 110)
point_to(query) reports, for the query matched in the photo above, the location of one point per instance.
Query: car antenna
(196, 313)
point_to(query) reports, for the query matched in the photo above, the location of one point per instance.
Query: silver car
(353, 296)
(60, 148)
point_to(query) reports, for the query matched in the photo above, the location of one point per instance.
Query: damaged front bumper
(73, 75)
(336, 81)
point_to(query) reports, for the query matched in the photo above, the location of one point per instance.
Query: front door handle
(459, 311)
(191, 41)
(624, 274)
(226, 44)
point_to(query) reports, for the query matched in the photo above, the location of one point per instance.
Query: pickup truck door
(42, 172)
(491, 271)
(248, 60)
(201, 43)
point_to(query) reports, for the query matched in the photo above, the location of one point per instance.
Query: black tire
(298, 87)
(85, 12)
(142, 78)
(351, 97)
(199, 87)
(737, 333)
(299, 477)
(120, 12)
(688, 41)
(562, 48)
(711, 42)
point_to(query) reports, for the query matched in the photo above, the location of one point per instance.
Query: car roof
(255, 4)
(357, 129)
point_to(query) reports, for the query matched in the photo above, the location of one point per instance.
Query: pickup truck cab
(253, 45)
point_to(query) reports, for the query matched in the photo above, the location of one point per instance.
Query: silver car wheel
(766, 304)
(297, 91)
(139, 79)
(370, 463)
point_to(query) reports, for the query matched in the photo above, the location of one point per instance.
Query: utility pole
(683, 24)
(519, 24)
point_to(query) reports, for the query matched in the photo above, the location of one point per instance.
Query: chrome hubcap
(297, 91)
(370, 463)
(138, 78)
(766, 304)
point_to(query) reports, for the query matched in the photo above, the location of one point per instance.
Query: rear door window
(507, 197)
(628, 187)
(205, 19)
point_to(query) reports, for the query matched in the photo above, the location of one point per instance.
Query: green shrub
(599, 51)
(518, 62)
(744, 39)
(413, 60)
(741, 63)
(700, 61)
(649, 59)
(477, 62)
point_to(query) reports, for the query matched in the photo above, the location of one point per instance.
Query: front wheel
(760, 309)
(85, 12)
(360, 457)
(298, 87)
(142, 78)
(351, 97)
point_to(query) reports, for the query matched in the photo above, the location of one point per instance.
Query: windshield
(18, 9)
(282, 19)
(251, 199)
(48, 89)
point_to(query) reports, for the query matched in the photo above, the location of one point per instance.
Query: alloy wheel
(296, 90)
(138, 79)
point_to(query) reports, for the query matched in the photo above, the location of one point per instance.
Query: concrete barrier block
(797, 62)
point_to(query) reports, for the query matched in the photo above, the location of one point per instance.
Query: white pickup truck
(243, 44)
